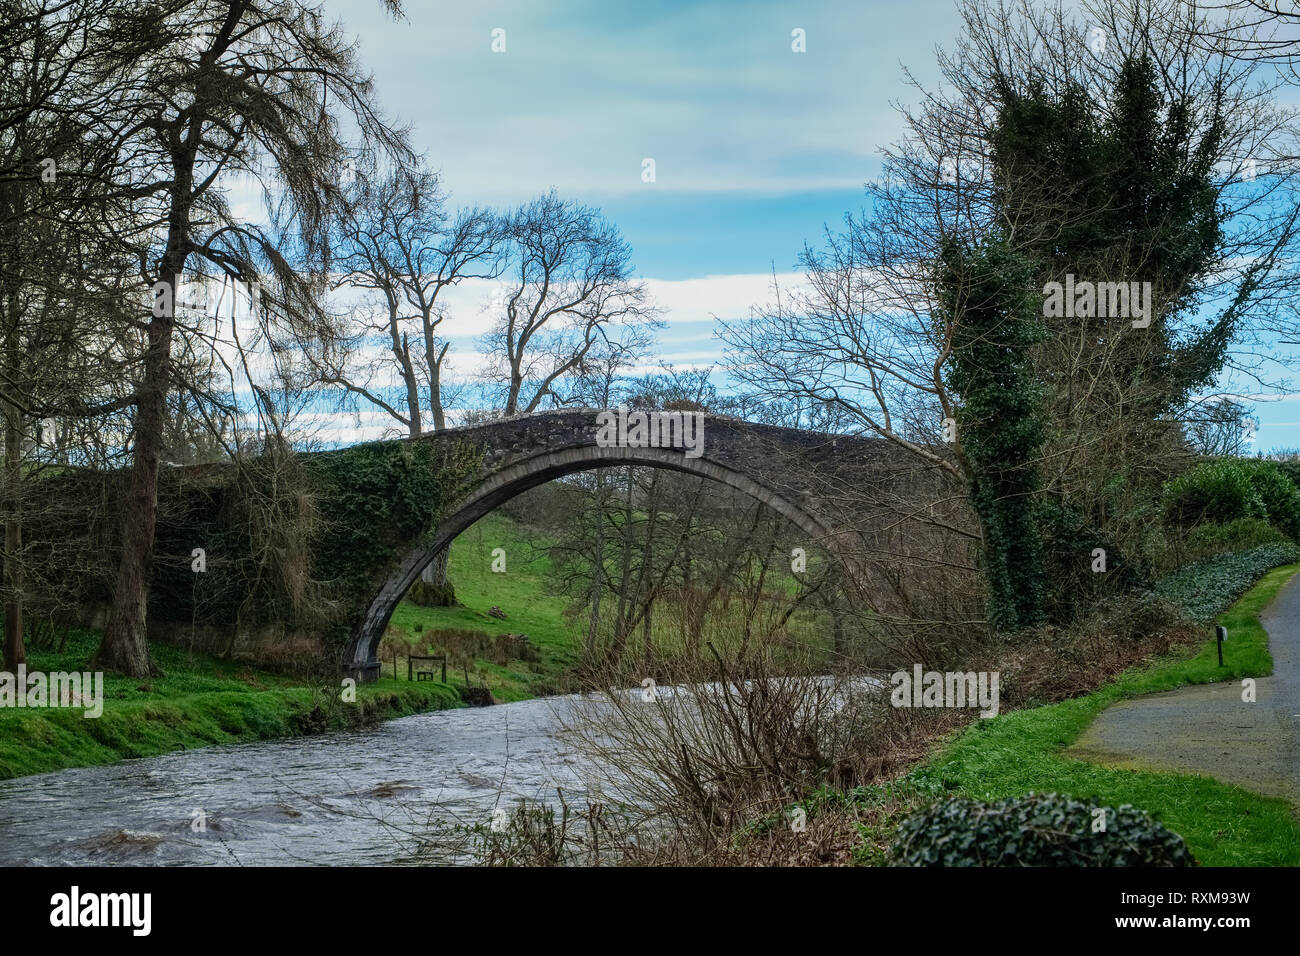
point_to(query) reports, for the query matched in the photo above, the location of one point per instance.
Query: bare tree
(1262, 31)
(230, 87)
(68, 237)
(398, 243)
(864, 332)
(570, 296)
(1220, 425)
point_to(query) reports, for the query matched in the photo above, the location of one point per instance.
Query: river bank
(389, 793)
(381, 795)
(195, 701)
(1033, 750)
(198, 700)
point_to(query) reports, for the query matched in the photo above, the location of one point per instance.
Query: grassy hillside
(520, 591)
(524, 591)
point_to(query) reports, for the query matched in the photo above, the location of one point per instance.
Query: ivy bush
(292, 542)
(1207, 588)
(1046, 829)
(383, 497)
(1069, 540)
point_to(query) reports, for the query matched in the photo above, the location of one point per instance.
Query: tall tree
(254, 87)
(400, 247)
(1113, 159)
(68, 235)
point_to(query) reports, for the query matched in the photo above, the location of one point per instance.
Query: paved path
(1208, 729)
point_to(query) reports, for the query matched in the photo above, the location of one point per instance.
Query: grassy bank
(1019, 752)
(521, 594)
(198, 700)
(195, 701)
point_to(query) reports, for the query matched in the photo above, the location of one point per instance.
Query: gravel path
(1208, 729)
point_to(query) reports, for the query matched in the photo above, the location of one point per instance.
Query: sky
(756, 147)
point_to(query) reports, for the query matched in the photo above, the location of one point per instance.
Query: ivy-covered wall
(294, 543)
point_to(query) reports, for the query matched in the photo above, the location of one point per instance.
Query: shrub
(707, 752)
(1215, 491)
(1044, 665)
(1279, 494)
(1070, 539)
(1229, 490)
(1045, 829)
(1207, 588)
(1291, 468)
(1240, 535)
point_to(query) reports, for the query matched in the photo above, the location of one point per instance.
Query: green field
(524, 592)
(519, 591)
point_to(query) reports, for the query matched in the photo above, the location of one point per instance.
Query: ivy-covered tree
(986, 296)
(1116, 184)
(1119, 185)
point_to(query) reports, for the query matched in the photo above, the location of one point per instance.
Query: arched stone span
(361, 659)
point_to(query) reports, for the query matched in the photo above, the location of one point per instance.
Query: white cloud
(585, 90)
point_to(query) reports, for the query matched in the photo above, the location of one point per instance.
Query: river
(349, 798)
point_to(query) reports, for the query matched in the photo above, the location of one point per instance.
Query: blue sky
(755, 146)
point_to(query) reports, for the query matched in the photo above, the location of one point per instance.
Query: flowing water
(358, 797)
(372, 796)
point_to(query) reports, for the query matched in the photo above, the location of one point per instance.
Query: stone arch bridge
(311, 553)
(811, 478)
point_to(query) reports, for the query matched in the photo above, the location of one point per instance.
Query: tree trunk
(621, 625)
(435, 396)
(434, 588)
(597, 567)
(402, 352)
(647, 562)
(434, 356)
(516, 386)
(647, 635)
(125, 647)
(15, 652)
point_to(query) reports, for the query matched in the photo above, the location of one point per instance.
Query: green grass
(524, 592)
(195, 701)
(1223, 825)
(520, 591)
(198, 700)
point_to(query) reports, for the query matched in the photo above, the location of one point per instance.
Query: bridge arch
(361, 657)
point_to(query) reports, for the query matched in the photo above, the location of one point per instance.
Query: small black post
(444, 668)
(1221, 634)
(408, 667)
